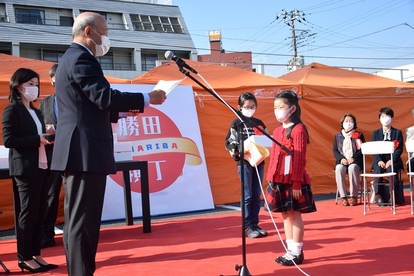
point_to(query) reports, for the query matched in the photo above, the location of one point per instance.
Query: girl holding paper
(289, 190)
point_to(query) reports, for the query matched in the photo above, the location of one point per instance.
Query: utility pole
(289, 19)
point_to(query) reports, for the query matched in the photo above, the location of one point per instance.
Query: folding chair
(409, 146)
(374, 148)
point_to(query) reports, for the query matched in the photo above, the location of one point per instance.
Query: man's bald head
(87, 19)
(88, 29)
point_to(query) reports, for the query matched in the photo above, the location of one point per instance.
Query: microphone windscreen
(168, 55)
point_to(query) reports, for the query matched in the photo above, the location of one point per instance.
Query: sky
(366, 35)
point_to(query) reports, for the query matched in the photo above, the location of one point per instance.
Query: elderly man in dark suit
(383, 163)
(83, 148)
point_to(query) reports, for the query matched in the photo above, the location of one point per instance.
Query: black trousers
(383, 190)
(29, 195)
(53, 180)
(84, 196)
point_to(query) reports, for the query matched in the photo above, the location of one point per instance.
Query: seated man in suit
(382, 163)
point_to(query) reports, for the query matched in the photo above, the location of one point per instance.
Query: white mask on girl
(30, 93)
(385, 121)
(348, 126)
(282, 115)
(248, 112)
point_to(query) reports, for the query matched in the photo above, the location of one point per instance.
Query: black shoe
(280, 258)
(48, 266)
(23, 266)
(252, 233)
(289, 259)
(48, 243)
(262, 232)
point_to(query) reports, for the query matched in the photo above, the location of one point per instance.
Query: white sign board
(168, 137)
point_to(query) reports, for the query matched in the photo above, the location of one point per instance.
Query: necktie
(387, 135)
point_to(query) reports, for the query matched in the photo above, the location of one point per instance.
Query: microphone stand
(243, 270)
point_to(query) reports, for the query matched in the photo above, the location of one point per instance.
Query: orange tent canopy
(9, 64)
(328, 81)
(221, 78)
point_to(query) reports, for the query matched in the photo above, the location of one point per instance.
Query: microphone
(181, 63)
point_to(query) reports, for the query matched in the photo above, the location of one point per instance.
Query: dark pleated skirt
(280, 198)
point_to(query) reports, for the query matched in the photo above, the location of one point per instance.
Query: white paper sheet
(167, 86)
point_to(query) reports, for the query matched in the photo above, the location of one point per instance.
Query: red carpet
(338, 241)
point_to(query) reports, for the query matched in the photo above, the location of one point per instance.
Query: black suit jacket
(396, 135)
(84, 141)
(47, 108)
(21, 137)
(49, 116)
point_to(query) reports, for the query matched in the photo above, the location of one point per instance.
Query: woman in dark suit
(24, 135)
(382, 163)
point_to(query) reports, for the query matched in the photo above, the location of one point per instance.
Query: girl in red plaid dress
(289, 190)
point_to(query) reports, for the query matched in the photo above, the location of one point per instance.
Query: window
(3, 17)
(107, 61)
(153, 23)
(114, 20)
(66, 21)
(156, 23)
(30, 16)
(52, 56)
(166, 25)
(176, 25)
(148, 62)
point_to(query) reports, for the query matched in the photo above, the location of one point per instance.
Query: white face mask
(282, 115)
(348, 126)
(248, 112)
(101, 50)
(385, 121)
(30, 93)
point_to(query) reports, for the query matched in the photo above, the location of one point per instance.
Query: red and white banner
(168, 137)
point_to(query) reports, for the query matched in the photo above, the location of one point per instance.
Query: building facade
(140, 31)
(403, 73)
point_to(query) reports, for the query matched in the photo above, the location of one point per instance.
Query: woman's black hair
(291, 99)
(353, 118)
(19, 77)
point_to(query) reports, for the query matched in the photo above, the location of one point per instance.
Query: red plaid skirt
(279, 197)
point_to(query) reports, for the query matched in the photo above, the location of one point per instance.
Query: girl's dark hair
(353, 118)
(386, 110)
(291, 99)
(246, 96)
(19, 77)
